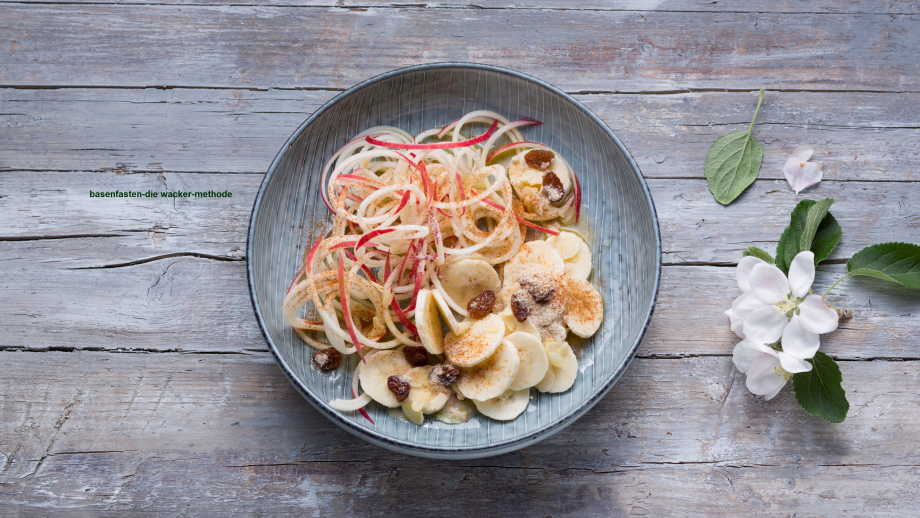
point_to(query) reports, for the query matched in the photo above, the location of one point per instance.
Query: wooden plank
(859, 136)
(694, 227)
(166, 433)
(751, 6)
(334, 48)
(168, 277)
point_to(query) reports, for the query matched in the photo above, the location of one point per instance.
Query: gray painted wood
(296, 47)
(762, 6)
(120, 425)
(859, 136)
(202, 434)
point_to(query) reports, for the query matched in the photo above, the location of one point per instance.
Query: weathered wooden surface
(169, 433)
(294, 47)
(133, 377)
(859, 136)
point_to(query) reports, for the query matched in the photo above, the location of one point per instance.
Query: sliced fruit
(458, 328)
(431, 396)
(477, 344)
(467, 278)
(547, 382)
(379, 367)
(505, 407)
(534, 362)
(493, 376)
(513, 326)
(428, 322)
(585, 309)
(414, 416)
(563, 368)
(534, 252)
(575, 253)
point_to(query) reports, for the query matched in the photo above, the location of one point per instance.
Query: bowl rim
(454, 452)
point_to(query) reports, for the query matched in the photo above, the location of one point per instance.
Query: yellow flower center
(782, 373)
(785, 305)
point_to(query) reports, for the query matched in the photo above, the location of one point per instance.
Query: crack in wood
(65, 415)
(161, 257)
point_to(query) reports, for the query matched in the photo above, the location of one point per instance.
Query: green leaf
(826, 239)
(804, 226)
(758, 253)
(895, 262)
(819, 390)
(733, 162)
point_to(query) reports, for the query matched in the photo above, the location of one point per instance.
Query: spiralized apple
(402, 204)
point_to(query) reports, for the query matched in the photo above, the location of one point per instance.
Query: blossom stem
(832, 285)
(759, 102)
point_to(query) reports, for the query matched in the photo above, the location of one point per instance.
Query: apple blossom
(778, 320)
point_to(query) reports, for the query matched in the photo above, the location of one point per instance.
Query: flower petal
(768, 283)
(736, 323)
(815, 315)
(746, 352)
(743, 272)
(802, 273)
(803, 153)
(799, 342)
(799, 172)
(745, 305)
(765, 377)
(765, 325)
(793, 364)
(771, 395)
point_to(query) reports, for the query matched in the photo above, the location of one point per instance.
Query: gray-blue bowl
(618, 215)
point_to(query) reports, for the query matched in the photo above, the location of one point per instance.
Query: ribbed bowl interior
(618, 217)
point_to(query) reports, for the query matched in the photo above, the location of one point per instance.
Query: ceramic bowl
(618, 216)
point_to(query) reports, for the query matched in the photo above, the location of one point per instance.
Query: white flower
(800, 172)
(775, 308)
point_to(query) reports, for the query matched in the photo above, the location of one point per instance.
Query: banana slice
(528, 182)
(379, 367)
(428, 322)
(585, 309)
(505, 407)
(477, 344)
(467, 278)
(575, 253)
(458, 328)
(547, 382)
(493, 376)
(429, 397)
(534, 252)
(534, 362)
(562, 365)
(513, 326)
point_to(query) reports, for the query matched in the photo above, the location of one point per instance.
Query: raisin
(444, 375)
(481, 305)
(482, 224)
(399, 387)
(552, 188)
(415, 355)
(539, 159)
(541, 292)
(519, 306)
(533, 235)
(327, 359)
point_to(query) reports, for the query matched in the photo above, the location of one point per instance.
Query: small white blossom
(775, 309)
(800, 172)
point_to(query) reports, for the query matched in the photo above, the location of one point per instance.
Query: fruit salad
(451, 271)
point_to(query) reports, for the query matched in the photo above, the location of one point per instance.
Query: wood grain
(859, 136)
(694, 227)
(750, 6)
(186, 434)
(296, 47)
